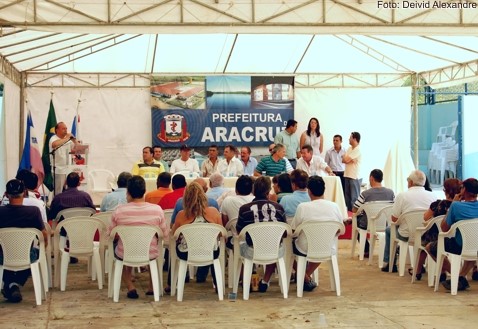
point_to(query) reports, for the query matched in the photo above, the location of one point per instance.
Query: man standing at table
(209, 165)
(289, 139)
(230, 166)
(185, 163)
(352, 159)
(248, 163)
(157, 155)
(148, 168)
(312, 164)
(61, 143)
(333, 158)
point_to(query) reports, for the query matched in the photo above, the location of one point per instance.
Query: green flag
(45, 158)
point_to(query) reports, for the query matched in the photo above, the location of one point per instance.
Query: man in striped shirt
(274, 164)
(135, 213)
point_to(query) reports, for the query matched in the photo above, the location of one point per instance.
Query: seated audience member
(274, 164)
(312, 164)
(318, 209)
(185, 163)
(137, 212)
(248, 163)
(118, 196)
(168, 201)
(148, 167)
(216, 186)
(196, 210)
(376, 192)
(230, 166)
(299, 179)
(282, 185)
(415, 198)
(157, 155)
(451, 187)
(162, 183)
(209, 166)
(30, 180)
(72, 197)
(463, 207)
(249, 214)
(15, 214)
(231, 204)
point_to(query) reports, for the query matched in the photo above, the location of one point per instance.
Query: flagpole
(77, 118)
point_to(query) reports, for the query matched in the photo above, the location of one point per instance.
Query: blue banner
(221, 110)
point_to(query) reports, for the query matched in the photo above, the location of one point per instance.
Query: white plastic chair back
(321, 237)
(16, 244)
(72, 212)
(105, 217)
(266, 238)
(81, 231)
(101, 180)
(469, 234)
(136, 242)
(413, 220)
(231, 233)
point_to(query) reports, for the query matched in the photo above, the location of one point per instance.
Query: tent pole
(22, 116)
(415, 119)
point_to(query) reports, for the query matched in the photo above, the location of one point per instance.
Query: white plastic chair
(202, 239)
(372, 210)
(101, 180)
(377, 233)
(48, 254)
(418, 248)
(81, 232)
(72, 212)
(231, 233)
(105, 217)
(469, 234)
(266, 239)
(413, 219)
(321, 236)
(136, 246)
(16, 244)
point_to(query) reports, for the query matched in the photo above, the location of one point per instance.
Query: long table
(333, 189)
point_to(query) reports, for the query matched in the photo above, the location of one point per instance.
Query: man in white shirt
(318, 209)
(312, 164)
(231, 204)
(230, 166)
(185, 163)
(333, 157)
(249, 163)
(60, 144)
(352, 159)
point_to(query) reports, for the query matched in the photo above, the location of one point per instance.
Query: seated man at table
(318, 209)
(376, 192)
(299, 179)
(185, 163)
(135, 213)
(274, 164)
(118, 196)
(148, 167)
(312, 164)
(15, 214)
(162, 183)
(230, 166)
(248, 163)
(157, 155)
(209, 165)
(249, 214)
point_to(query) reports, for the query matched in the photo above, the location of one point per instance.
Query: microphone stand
(53, 153)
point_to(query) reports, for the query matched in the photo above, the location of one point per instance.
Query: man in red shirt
(179, 186)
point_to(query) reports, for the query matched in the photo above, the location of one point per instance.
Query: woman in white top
(313, 137)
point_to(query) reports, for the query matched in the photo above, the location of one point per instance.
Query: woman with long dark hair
(313, 137)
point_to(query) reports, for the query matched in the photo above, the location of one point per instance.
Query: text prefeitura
(426, 5)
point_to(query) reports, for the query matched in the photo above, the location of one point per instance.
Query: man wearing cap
(148, 167)
(15, 214)
(185, 163)
(288, 138)
(60, 144)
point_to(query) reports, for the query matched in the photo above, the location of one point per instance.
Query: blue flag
(31, 158)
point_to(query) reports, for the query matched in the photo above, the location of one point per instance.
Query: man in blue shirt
(299, 179)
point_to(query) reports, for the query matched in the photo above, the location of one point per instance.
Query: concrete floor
(370, 299)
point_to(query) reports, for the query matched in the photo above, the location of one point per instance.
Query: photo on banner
(221, 110)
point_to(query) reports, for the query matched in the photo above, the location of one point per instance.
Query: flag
(49, 131)
(31, 159)
(73, 127)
